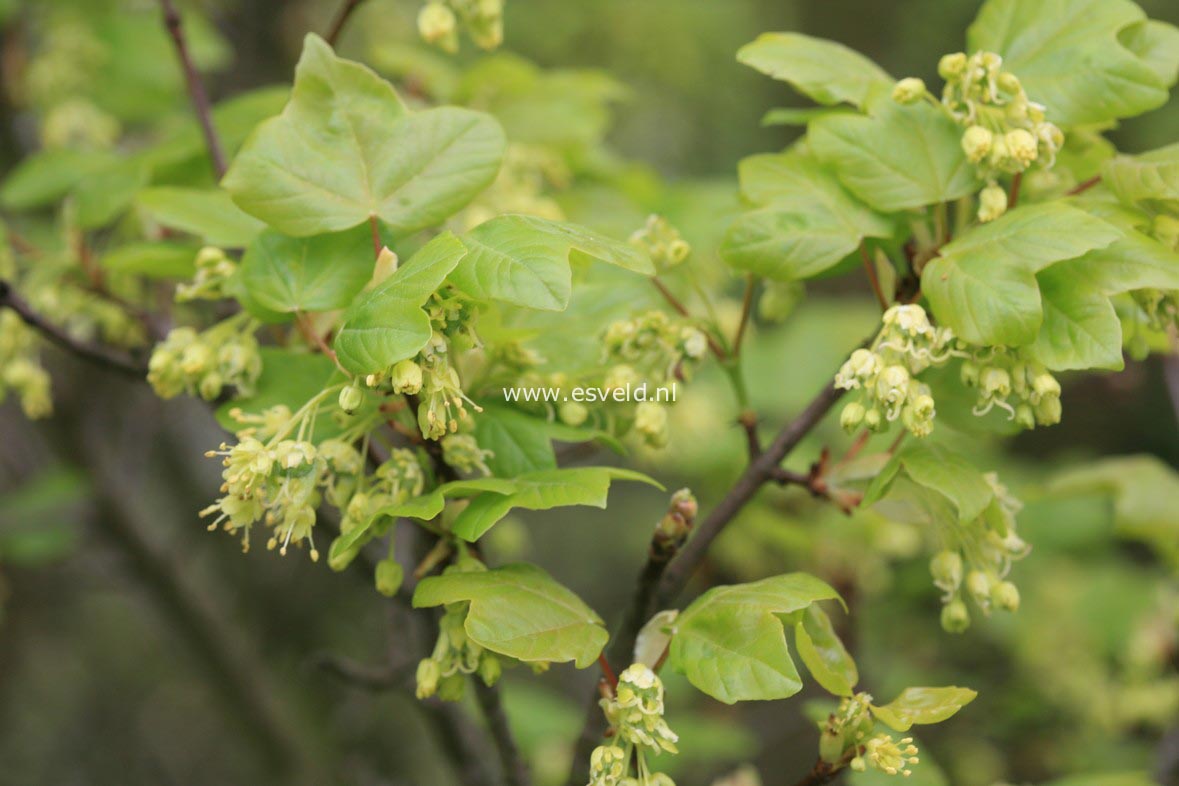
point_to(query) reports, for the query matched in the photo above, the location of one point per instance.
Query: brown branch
(748, 421)
(1013, 194)
(822, 772)
(341, 21)
(95, 353)
(873, 279)
(1084, 186)
(376, 233)
(515, 770)
(196, 88)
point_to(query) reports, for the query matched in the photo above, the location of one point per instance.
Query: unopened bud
(852, 416)
(946, 568)
(908, 91)
(490, 669)
(350, 399)
(389, 576)
(1005, 596)
(978, 584)
(406, 377)
(955, 618)
(952, 66)
(573, 413)
(992, 203)
(1021, 146)
(976, 143)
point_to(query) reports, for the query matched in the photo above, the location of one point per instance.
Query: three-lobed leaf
(731, 642)
(1069, 56)
(983, 285)
(520, 611)
(896, 157)
(345, 150)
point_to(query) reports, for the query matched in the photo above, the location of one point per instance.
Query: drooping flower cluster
(438, 23)
(277, 474)
(662, 242)
(886, 372)
(1026, 390)
(977, 559)
(204, 363)
(20, 367)
(213, 270)
(455, 654)
(635, 713)
(648, 352)
(1005, 132)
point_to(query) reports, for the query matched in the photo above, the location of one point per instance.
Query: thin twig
(376, 233)
(341, 20)
(95, 353)
(822, 772)
(682, 310)
(1084, 186)
(873, 279)
(746, 309)
(196, 88)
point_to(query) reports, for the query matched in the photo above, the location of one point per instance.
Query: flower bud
(976, 143)
(978, 584)
(952, 66)
(573, 413)
(694, 342)
(1005, 596)
(1009, 82)
(908, 91)
(1044, 384)
(651, 422)
(892, 384)
(1024, 417)
(995, 382)
(992, 203)
(969, 374)
(873, 420)
(1048, 411)
(1021, 146)
(946, 569)
(852, 416)
(406, 377)
(350, 399)
(389, 575)
(955, 618)
(428, 675)
(490, 669)
(436, 24)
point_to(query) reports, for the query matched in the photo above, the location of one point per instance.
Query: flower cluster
(1005, 132)
(890, 756)
(977, 559)
(662, 242)
(1024, 389)
(213, 269)
(206, 362)
(277, 473)
(635, 713)
(438, 23)
(885, 373)
(455, 655)
(20, 367)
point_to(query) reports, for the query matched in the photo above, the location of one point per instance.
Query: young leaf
(1156, 44)
(208, 214)
(1146, 178)
(984, 284)
(937, 468)
(823, 653)
(519, 443)
(731, 644)
(542, 490)
(320, 273)
(387, 324)
(827, 72)
(520, 611)
(1068, 56)
(809, 222)
(345, 149)
(154, 260)
(524, 260)
(47, 176)
(897, 157)
(923, 706)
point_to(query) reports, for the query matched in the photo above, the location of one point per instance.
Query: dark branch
(95, 353)
(515, 771)
(341, 20)
(196, 88)
(1084, 186)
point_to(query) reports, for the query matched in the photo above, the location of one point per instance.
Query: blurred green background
(112, 589)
